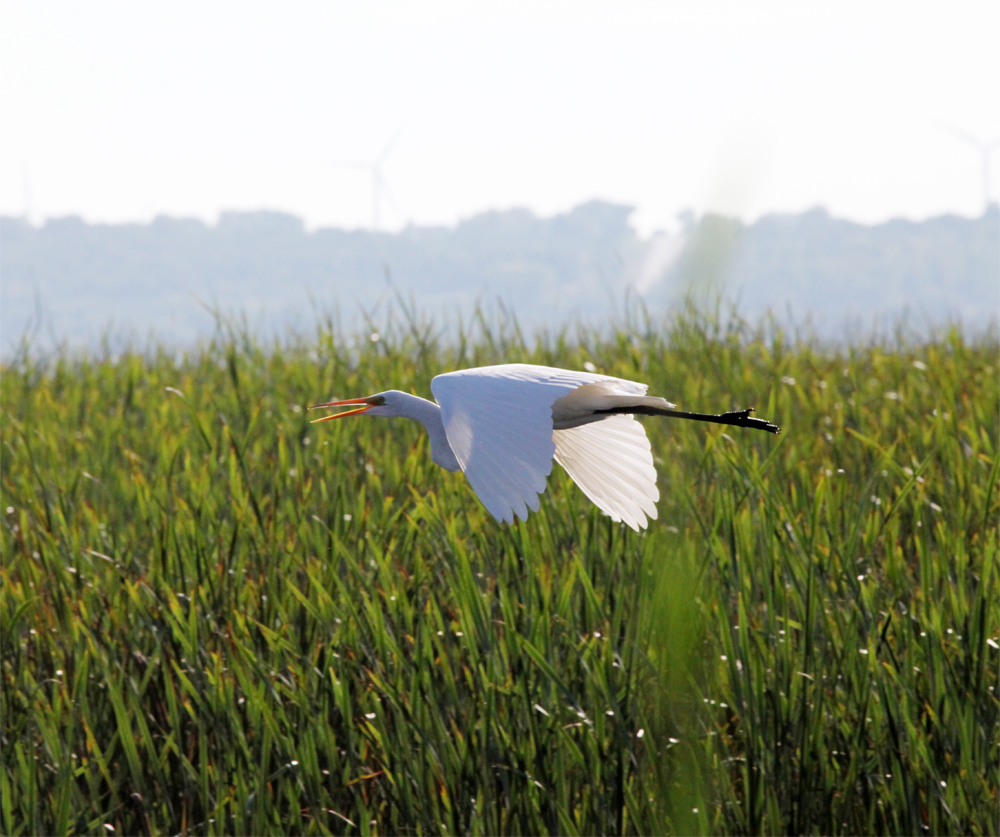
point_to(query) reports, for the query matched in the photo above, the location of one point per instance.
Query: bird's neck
(429, 414)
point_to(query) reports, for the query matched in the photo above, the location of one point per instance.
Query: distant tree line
(70, 280)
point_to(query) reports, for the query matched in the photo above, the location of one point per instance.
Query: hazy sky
(120, 111)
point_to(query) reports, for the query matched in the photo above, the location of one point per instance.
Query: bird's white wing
(498, 420)
(500, 428)
(612, 463)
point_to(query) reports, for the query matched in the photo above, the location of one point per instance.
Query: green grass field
(218, 618)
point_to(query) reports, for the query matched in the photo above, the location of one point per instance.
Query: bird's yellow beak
(368, 402)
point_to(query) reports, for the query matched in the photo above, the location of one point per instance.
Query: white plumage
(501, 424)
(504, 425)
(612, 463)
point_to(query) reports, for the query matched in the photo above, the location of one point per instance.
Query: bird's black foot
(741, 418)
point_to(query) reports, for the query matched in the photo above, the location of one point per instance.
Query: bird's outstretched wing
(612, 463)
(498, 420)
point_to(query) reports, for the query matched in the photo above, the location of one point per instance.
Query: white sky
(120, 111)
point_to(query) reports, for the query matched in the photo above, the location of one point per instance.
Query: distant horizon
(747, 222)
(580, 266)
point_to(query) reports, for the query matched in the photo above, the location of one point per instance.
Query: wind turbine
(374, 167)
(986, 148)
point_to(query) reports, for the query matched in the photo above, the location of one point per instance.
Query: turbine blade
(391, 143)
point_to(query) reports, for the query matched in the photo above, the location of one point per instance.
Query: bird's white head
(396, 403)
(390, 403)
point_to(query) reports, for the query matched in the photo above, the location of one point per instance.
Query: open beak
(366, 401)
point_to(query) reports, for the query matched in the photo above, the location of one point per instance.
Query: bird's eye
(381, 400)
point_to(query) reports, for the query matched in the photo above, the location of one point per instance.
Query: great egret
(503, 426)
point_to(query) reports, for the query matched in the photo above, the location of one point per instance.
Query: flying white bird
(503, 426)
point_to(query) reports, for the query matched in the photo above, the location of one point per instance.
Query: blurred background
(569, 162)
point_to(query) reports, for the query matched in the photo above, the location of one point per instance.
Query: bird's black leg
(739, 418)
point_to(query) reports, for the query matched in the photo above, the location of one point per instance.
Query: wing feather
(612, 463)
